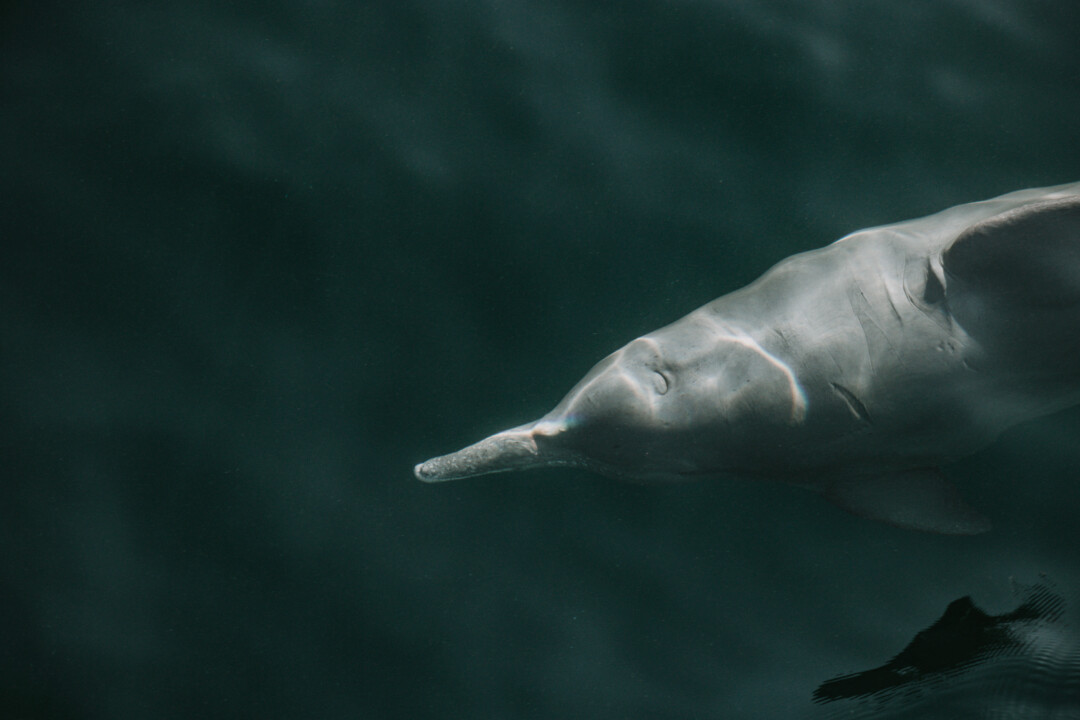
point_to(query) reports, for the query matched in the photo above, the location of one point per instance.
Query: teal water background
(261, 258)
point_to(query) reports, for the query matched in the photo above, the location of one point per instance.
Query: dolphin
(855, 370)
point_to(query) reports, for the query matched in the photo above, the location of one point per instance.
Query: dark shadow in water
(965, 655)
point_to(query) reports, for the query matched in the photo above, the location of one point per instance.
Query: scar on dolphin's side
(858, 410)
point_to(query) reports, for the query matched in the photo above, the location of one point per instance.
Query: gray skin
(854, 370)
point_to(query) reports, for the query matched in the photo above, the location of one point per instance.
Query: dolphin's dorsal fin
(918, 499)
(1013, 284)
(1028, 256)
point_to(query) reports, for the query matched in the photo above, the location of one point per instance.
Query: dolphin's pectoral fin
(919, 499)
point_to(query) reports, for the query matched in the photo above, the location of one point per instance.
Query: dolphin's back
(944, 330)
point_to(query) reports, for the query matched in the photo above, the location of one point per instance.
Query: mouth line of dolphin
(513, 449)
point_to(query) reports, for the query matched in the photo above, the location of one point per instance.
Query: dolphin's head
(664, 406)
(627, 417)
(606, 422)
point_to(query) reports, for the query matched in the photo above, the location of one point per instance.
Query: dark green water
(261, 258)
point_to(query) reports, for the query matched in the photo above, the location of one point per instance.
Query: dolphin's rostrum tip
(433, 471)
(513, 449)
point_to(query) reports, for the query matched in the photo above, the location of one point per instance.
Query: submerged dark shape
(960, 640)
(855, 370)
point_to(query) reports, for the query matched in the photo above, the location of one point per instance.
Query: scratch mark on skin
(858, 410)
(798, 395)
(892, 306)
(865, 316)
(859, 312)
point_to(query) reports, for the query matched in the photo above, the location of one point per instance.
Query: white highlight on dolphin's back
(799, 403)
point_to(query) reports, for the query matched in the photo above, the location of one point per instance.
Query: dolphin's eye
(660, 382)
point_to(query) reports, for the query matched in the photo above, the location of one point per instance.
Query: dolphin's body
(854, 370)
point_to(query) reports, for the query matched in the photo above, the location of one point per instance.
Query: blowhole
(660, 382)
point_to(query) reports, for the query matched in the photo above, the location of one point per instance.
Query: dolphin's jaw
(513, 449)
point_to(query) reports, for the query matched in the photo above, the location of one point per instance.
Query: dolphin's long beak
(513, 449)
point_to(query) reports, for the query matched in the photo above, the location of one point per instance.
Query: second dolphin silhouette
(855, 370)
